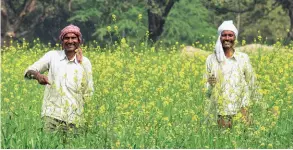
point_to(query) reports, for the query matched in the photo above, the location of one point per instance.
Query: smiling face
(227, 39)
(70, 42)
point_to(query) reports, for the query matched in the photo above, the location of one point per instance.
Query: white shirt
(71, 82)
(235, 80)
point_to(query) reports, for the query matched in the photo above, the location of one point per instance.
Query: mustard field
(147, 97)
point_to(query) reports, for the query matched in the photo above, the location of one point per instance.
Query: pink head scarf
(71, 29)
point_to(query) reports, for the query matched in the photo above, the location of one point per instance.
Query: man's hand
(245, 115)
(42, 79)
(212, 80)
(79, 55)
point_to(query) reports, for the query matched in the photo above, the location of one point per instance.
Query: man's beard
(228, 44)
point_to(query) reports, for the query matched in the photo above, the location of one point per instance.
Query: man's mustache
(228, 42)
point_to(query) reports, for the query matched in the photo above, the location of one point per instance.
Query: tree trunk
(290, 33)
(238, 21)
(12, 19)
(156, 23)
(238, 17)
(157, 13)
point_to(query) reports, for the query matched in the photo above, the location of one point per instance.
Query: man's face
(227, 39)
(70, 42)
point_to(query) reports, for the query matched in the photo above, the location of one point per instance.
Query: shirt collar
(64, 57)
(236, 55)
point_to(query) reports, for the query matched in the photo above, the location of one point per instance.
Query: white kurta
(235, 80)
(71, 82)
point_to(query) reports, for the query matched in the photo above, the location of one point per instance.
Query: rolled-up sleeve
(41, 65)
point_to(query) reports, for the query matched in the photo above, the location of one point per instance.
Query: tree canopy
(167, 21)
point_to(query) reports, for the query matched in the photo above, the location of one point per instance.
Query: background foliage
(189, 21)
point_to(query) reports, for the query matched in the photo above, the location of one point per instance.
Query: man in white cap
(229, 76)
(67, 85)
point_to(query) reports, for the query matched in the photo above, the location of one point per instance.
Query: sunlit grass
(147, 98)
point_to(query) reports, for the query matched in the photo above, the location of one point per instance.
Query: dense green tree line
(164, 21)
(270, 19)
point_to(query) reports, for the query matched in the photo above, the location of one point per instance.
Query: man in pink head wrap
(230, 78)
(67, 85)
(72, 29)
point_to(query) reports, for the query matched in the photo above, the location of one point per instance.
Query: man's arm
(89, 84)
(34, 71)
(249, 74)
(250, 80)
(42, 79)
(209, 77)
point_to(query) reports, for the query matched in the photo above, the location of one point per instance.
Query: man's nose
(70, 40)
(226, 36)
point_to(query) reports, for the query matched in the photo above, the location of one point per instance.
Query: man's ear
(79, 40)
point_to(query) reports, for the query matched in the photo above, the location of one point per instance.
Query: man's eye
(230, 35)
